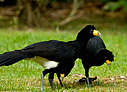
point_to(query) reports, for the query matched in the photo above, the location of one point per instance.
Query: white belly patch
(45, 62)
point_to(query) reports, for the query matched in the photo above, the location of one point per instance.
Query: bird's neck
(79, 47)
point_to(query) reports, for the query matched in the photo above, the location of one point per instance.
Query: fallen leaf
(76, 80)
(77, 75)
(112, 79)
(122, 77)
(65, 91)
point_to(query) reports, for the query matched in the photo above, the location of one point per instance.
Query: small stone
(122, 77)
(112, 79)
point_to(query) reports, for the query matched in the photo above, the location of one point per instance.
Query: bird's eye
(91, 31)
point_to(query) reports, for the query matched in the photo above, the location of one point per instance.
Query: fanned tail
(11, 57)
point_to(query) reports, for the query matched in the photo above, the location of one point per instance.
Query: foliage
(51, 13)
(61, 0)
(119, 4)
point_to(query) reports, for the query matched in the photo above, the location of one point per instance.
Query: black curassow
(96, 55)
(55, 56)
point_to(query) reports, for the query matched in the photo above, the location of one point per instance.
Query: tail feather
(9, 58)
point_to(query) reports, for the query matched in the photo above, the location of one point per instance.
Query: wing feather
(52, 50)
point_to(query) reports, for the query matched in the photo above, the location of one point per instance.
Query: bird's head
(88, 32)
(109, 57)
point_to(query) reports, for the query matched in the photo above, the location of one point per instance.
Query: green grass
(26, 75)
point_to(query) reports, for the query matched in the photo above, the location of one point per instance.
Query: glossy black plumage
(52, 50)
(58, 56)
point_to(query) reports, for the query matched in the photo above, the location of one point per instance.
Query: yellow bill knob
(96, 33)
(108, 62)
(62, 76)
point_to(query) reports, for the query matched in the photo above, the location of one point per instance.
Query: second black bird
(96, 55)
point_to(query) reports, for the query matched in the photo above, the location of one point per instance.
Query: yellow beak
(108, 62)
(96, 33)
(62, 76)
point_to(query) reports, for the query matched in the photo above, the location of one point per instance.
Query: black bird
(55, 56)
(96, 55)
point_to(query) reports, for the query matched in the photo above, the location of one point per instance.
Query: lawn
(26, 75)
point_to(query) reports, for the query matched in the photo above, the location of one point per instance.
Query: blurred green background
(62, 14)
(23, 22)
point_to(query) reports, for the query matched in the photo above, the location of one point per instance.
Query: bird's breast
(45, 62)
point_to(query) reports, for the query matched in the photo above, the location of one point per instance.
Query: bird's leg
(51, 77)
(87, 76)
(58, 75)
(42, 78)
